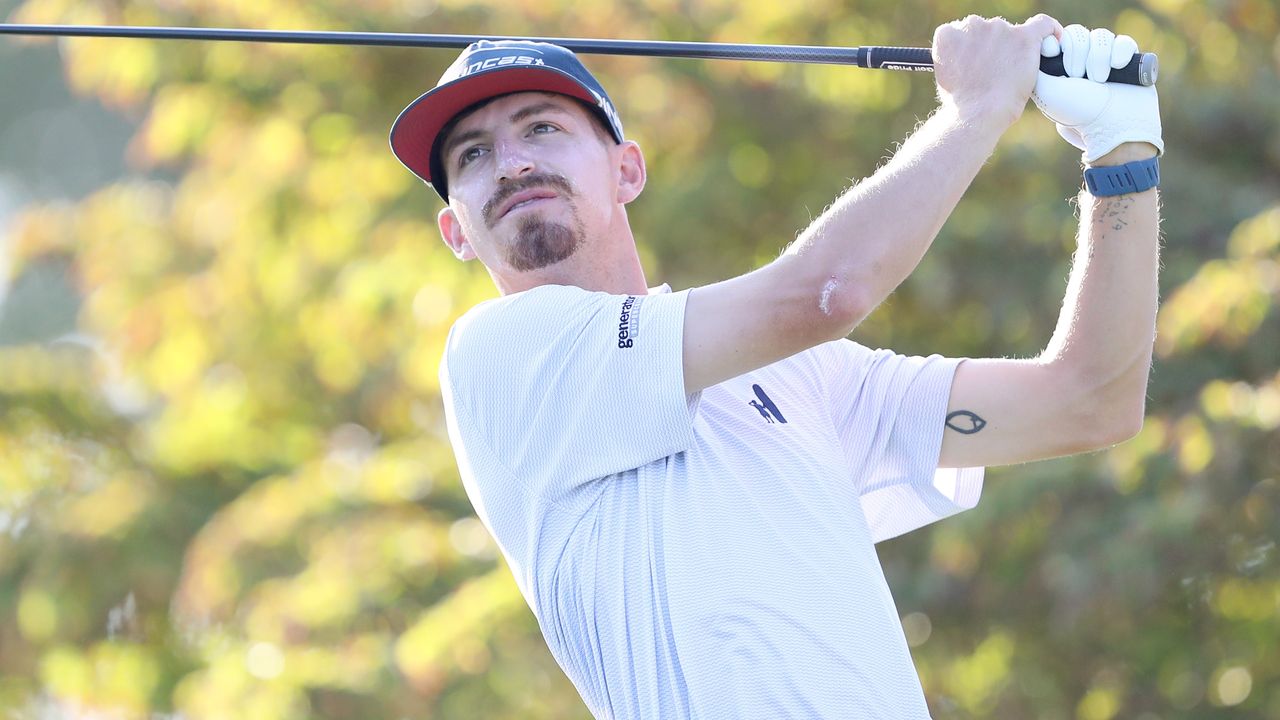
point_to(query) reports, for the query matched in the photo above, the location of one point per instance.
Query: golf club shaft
(1140, 71)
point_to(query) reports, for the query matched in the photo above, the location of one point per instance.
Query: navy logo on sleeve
(629, 321)
(765, 406)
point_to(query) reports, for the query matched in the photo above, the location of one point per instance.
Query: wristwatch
(1131, 177)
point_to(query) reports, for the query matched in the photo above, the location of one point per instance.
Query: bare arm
(874, 235)
(1087, 389)
(843, 265)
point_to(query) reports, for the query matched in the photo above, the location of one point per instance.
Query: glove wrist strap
(1133, 177)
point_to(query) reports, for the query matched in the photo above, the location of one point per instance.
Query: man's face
(530, 177)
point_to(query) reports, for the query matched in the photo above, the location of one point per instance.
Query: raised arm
(871, 238)
(1087, 390)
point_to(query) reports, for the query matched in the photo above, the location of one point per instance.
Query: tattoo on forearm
(965, 422)
(1116, 213)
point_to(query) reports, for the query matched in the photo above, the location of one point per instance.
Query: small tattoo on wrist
(965, 422)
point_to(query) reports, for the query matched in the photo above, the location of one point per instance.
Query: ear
(451, 232)
(632, 173)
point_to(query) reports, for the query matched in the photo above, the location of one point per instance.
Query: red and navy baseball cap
(487, 69)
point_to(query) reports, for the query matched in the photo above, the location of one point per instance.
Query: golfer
(689, 485)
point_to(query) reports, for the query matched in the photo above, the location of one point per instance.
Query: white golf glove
(1092, 114)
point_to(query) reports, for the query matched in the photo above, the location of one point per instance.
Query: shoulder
(539, 301)
(537, 328)
(521, 317)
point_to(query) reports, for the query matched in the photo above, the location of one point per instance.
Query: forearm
(875, 234)
(1106, 330)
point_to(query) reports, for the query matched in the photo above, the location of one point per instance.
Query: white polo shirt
(707, 556)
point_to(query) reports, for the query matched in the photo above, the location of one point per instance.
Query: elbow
(814, 302)
(841, 306)
(1123, 412)
(1134, 416)
(1102, 429)
(1110, 410)
(1125, 426)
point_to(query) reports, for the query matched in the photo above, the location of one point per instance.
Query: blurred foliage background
(225, 484)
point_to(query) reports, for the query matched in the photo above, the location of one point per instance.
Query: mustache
(558, 183)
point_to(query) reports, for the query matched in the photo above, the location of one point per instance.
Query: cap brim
(415, 130)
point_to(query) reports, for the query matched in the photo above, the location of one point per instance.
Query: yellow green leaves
(1227, 299)
(244, 430)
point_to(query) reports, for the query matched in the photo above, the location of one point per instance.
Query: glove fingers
(1075, 50)
(1098, 62)
(1094, 115)
(1123, 50)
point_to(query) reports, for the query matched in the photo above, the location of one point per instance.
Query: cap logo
(607, 108)
(500, 61)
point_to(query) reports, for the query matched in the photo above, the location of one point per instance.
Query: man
(688, 486)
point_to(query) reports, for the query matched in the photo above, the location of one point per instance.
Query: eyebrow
(517, 116)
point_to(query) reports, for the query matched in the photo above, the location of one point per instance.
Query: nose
(513, 160)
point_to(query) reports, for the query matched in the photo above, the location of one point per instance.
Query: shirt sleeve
(889, 412)
(564, 386)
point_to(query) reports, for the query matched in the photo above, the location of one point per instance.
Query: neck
(608, 264)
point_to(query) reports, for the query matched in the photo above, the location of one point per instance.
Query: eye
(543, 128)
(471, 153)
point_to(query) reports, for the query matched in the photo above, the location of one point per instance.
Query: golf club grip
(1141, 70)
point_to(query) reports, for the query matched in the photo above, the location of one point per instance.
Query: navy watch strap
(1131, 177)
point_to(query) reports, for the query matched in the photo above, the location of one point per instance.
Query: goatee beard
(539, 243)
